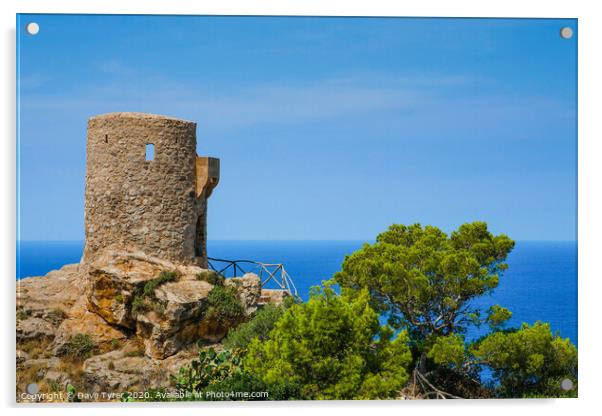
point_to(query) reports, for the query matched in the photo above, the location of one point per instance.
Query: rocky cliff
(123, 322)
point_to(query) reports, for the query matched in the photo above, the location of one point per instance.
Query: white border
(590, 206)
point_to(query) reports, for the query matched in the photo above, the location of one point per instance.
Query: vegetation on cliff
(333, 347)
(398, 320)
(144, 298)
(224, 306)
(423, 282)
(259, 327)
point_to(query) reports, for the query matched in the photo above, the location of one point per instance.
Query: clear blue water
(540, 283)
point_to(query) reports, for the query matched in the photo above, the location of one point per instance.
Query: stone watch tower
(146, 188)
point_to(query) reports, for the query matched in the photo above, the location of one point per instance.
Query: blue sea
(539, 285)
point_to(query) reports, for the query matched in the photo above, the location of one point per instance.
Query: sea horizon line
(294, 240)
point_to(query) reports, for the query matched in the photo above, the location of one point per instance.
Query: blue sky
(327, 128)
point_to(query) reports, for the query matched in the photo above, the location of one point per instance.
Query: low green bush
(164, 277)
(80, 346)
(224, 305)
(139, 304)
(259, 326)
(115, 344)
(210, 367)
(211, 277)
(119, 298)
(56, 316)
(244, 382)
(144, 300)
(23, 313)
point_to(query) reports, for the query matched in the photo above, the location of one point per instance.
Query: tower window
(150, 151)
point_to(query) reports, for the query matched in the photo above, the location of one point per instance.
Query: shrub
(115, 344)
(333, 347)
(54, 386)
(35, 347)
(72, 393)
(258, 327)
(216, 372)
(80, 346)
(211, 367)
(210, 277)
(164, 277)
(159, 307)
(242, 381)
(119, 298)
(528, 362)
(23, 313)
(141, 301)
(224, 305)
(56, 316)
(139, 304)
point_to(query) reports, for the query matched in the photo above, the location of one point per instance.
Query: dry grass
(55, 316)
(35, 348)
(114, 344)
(80, 347)
(135, 348)
(138, 352)
(35, 373)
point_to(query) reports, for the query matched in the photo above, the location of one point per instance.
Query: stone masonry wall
(137, 205)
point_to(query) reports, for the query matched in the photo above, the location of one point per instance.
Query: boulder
(273, 296)
(82, 321)
(41, 366)
(249, 289)
(118, 303)
(120, 370)
(166, 319)
(114, 371)
(57, 377)
(114, 280)
(34, 328)
(47, 295)
(44, 302)
(179, 321)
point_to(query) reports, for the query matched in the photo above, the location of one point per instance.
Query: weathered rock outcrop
(81, 321)
(165, 316)
(140, 313)
(43, 302)
(121, 371)
(34, 328)
(249, 289)
(272, 296)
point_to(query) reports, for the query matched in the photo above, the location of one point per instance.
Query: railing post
(285, 282)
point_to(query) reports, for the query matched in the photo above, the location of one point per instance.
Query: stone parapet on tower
(207, 175)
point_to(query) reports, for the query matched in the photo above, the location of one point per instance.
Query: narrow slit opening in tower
(199, 240)
(150, 152)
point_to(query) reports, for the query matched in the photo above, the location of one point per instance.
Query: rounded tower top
(140, 116)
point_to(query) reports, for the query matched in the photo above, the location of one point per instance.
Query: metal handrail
(267, 272)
